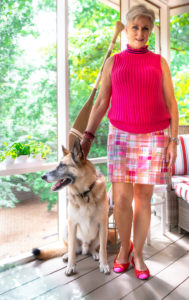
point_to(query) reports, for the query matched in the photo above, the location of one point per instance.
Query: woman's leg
(141, 221)
(123, 214)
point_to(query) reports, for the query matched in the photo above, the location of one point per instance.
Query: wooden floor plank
(47, 280)
(163, 282)
(44, 267)
(24, 274)
(31, 271)
(45, 283)
(91, 281)
(127, 282)
(181, 292)
(82, 285)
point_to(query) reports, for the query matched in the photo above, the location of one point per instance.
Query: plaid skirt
(137, 158)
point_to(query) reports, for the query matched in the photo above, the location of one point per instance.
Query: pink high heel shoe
(140, 274)
(120, 268)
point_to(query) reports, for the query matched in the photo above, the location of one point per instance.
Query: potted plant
(22, 151)
(38, 150)
(7, 155)
(44, 150)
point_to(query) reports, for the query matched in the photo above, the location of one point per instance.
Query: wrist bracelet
(89, 134)
(87, 139)
(174, 139)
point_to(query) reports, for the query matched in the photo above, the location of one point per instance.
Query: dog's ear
(77, 153)
(65, 151)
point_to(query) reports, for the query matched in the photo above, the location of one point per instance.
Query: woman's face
(138, 32)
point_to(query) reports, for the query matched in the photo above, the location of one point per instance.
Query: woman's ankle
(139, 262)
(124, 253)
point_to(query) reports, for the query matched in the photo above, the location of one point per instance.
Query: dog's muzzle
(60, 183)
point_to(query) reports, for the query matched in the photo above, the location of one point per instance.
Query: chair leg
(148, 239)
(180, 231)
(163, 218)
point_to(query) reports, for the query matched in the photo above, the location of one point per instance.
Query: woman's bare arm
(99, 108)
(102, 102)
(171, 104)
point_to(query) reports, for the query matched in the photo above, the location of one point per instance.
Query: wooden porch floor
(167, 258)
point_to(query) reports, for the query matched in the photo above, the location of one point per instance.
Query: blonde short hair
(140, 11)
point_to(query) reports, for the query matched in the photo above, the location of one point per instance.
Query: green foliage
(2, 156)
(16, 21)
(41, 188)
(92, 14)
(7, 185)
(7, 151)
(179, 39)
(37, 147)
(20, 149)
(28, 88)
(181, 81)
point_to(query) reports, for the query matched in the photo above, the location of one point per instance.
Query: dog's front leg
(103, 232)
(71, 267)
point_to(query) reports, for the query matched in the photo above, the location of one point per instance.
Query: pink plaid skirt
(137, 158)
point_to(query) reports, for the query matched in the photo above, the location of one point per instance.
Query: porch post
(165, 32)
(62, 98)
(124, 7)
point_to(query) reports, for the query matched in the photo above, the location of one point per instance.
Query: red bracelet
(89, 134)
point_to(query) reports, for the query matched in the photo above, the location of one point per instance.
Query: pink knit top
(138, 104)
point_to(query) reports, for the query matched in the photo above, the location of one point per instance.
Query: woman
(143, 105)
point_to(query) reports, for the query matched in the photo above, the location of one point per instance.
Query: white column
(124, 7)
(165, 32)
(62, 97)
(157, 39)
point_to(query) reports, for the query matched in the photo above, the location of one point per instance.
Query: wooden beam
(179, 10)
(112, 4)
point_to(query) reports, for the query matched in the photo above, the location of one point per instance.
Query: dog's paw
(104, 269)
(65, 257)
(70, 270)
(95, 255)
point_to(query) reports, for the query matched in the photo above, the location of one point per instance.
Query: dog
(87, 223)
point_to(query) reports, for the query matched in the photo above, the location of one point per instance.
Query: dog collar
(85, 193)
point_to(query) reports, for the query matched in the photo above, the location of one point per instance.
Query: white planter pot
(21, 159)
(9, 160)
(35, 158)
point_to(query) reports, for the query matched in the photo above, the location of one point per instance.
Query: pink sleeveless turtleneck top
(138, 104)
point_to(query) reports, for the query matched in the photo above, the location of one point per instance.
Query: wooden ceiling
(176, 3)
(171, 3)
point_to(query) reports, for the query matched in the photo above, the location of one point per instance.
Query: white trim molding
(62, 98)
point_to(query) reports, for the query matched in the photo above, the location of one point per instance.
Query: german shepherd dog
(87, 209)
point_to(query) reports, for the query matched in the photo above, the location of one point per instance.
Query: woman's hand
(86, 142)
(85, 146)
(171, 154)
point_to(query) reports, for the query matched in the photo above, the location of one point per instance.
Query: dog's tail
(44, 254)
